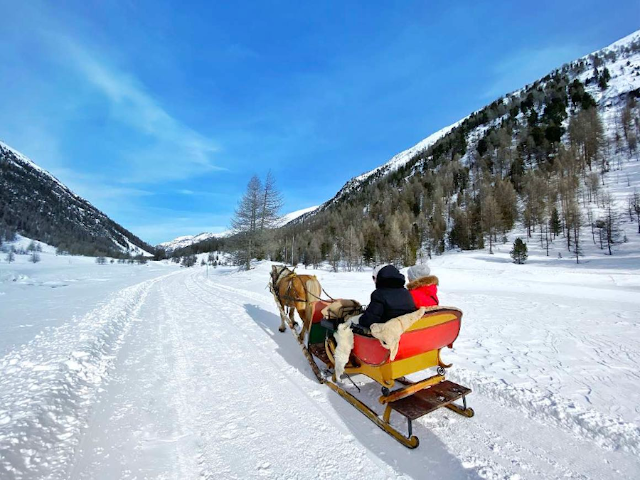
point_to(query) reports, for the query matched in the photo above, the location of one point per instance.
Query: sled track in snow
(610, 433)
(48, 386)
(239, 328)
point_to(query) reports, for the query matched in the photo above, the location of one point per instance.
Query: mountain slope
(290, 217)
(625, 78)
(557, 148)
(188, 240)
(397, 161)
(37, 205)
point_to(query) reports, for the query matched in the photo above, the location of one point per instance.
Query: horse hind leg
(305, 323)
(292, 317)
(283, 318)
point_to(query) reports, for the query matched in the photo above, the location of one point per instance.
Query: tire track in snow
(48, 386)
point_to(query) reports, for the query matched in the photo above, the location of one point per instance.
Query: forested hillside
(537, 159)
(36, 205)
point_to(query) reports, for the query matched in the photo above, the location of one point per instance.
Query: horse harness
(287, 295)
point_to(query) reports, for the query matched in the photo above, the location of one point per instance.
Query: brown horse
(297, 293)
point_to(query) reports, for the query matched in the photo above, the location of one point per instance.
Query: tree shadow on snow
(430, 459)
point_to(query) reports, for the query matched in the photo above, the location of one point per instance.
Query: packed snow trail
(202, 393)
(187, 376)
(42, 296)
(224, 393)
(49, 386)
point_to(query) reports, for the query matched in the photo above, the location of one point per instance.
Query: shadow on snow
(431, 458)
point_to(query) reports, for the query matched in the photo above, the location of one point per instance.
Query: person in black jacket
(389, 300)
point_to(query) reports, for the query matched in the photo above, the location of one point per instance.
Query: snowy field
(128, 371)
(36, 297)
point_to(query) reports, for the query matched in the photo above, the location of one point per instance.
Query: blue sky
(159, 112)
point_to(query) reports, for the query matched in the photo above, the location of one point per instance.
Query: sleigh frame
(418, 350)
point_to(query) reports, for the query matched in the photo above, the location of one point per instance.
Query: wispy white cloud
(97, 188)
(169, 150)
(526, 66)
(201, 193)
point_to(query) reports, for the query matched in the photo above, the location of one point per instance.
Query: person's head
(376, 271)
(388, 276)
(418, 271)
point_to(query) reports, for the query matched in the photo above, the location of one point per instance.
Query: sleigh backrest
(438, 328)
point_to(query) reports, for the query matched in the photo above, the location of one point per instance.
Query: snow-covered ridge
(187, 240)
(290, 217)
(25, 186)
(396, 162)
(32, 165)
(402, 158)
(623, 42)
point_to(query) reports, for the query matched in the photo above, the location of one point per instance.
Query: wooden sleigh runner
(419, 349)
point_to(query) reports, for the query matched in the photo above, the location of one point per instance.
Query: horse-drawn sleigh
(418, 349)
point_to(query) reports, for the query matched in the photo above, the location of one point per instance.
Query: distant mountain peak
(188, 240)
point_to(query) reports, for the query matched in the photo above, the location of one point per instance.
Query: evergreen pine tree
(519, 251)
(554, 223)
(603, 80)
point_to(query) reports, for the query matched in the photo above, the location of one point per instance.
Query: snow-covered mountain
(621, 59)
(39, 206)
(188, 240)
(396, 162)
(290, 217)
